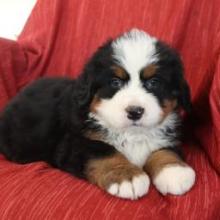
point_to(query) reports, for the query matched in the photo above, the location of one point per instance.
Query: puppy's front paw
(117, 176)
(130, 189)
(175, 180)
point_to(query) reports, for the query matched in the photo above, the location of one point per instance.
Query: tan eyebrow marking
(120, 72)
(149, 71)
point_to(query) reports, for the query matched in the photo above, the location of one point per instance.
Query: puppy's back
(32, 123)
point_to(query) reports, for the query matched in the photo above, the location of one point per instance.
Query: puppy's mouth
(136, 124)
(141, 125)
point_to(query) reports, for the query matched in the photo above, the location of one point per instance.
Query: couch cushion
(37, 191)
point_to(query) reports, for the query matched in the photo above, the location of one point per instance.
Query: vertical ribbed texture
(58, 38)
(12, 66)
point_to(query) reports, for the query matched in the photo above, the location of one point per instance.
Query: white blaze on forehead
(135, 50)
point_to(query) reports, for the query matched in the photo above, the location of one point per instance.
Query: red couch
(58, 38)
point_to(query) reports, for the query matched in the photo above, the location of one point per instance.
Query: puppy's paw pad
(175, 180)
(134, 189)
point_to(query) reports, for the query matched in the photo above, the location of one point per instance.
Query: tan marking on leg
(114, 169)
(160, 159)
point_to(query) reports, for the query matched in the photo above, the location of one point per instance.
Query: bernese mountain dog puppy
(116, 125)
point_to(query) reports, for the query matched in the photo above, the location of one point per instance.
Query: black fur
(45, 122)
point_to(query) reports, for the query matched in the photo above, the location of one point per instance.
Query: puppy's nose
(134, 112)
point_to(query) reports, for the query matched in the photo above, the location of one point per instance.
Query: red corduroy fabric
(58, 38)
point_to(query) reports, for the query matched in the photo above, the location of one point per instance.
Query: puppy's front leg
(118, 176)
(101, 164)
(169, 173)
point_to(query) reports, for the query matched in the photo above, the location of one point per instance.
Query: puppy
(116, 125)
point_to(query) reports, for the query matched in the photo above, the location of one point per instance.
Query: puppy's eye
(116, 83)
(152, 83)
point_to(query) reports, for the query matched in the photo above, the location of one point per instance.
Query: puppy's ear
(185, 97)
(88, 82)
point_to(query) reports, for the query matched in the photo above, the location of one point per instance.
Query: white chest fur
(136, 144)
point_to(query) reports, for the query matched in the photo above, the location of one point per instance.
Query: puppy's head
(135, 81)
